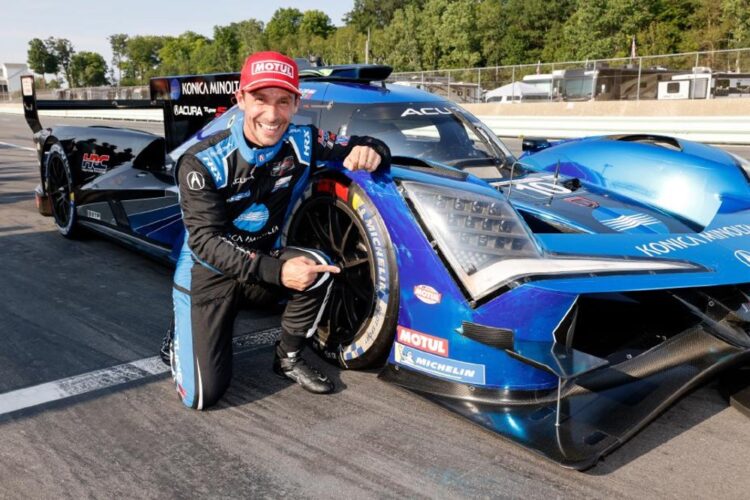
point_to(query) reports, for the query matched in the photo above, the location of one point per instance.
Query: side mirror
(534, 144)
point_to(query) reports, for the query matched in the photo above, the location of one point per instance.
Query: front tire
(358, 325)
(58, 184)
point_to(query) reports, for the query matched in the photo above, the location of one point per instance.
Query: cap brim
(271, 82)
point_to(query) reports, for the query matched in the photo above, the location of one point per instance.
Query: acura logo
(195, 181)
(743, 256)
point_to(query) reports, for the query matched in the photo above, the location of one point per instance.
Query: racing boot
(294, 367)
(166, 345)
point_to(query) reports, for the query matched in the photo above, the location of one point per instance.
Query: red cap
(269, 69)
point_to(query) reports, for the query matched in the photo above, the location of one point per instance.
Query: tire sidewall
(57, 151)
(372, 343)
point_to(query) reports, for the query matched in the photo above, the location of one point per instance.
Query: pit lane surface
(72, 310)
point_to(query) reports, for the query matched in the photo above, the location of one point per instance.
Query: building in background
(10, 78)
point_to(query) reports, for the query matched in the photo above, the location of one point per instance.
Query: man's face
(268, 113)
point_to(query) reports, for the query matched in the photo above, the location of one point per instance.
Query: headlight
(489, 246)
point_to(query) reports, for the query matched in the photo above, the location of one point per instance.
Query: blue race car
(562, 299)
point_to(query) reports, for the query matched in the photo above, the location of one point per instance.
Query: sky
(87, 23)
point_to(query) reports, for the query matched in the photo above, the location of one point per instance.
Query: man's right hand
(299, 273)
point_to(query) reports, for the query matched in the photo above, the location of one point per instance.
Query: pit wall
(719, 121)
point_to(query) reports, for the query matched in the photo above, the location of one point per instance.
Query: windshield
(439, 132)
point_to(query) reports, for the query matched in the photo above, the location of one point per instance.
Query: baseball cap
(269, 69)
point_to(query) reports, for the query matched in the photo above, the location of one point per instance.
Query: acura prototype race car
(562, 299)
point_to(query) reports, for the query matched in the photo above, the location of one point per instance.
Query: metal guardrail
(704, 75)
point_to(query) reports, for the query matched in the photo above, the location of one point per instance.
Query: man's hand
(300, 272)
(362, 158)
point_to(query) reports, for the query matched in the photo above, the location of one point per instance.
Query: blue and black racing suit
(235, 199)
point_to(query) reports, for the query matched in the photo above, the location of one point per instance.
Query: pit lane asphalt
(72, 307)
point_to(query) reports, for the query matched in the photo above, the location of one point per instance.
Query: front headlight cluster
(488, 245)
(473, 231)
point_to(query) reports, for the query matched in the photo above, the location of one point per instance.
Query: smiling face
(268, 113)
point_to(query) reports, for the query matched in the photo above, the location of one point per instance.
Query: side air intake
(502, 338)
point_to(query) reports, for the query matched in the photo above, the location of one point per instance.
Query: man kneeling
(236, 190)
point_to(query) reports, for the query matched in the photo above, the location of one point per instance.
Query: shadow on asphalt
(690, 411)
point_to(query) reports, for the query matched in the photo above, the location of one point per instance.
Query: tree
(178, 55)
(119, 45)
(491, 29)
(63, 50)
(316, 23)
(372, 14)
(251, 37)
(428, 33)
(226, 48)
(344, 46)
(143, 57)
(458, 35)
(87, 69)
(282, 30)
(398, 44)
(40, 59)
(598, 30)
(736, 14)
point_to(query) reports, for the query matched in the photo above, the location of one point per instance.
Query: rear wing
(187, 103)
(190, 102)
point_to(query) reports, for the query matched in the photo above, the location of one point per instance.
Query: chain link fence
(693, 75)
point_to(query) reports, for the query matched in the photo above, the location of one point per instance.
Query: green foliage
(64, 51)
(251, 37)
(179, 55)
(119, 45)
(316, 23)
(40, 59)
(376, 14)
(344, 46)
(413, 35)
(143, 57)
(282, 30)
(88, 69)
(399, 43)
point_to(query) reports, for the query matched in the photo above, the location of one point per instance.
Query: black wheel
(357, 327)
(59, 185)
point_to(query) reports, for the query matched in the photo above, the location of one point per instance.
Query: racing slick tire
(59, 185)
(357, 327)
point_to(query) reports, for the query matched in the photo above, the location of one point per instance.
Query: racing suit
(235, 198)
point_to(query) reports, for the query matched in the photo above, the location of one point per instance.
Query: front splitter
(598, 411)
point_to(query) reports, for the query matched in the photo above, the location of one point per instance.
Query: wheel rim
(329, 225)
(59, 188)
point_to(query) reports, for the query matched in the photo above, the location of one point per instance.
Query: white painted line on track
(25, 148)
(110, 377)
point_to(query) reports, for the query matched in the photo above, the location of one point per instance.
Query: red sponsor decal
(422, 341)
(95, 159)
(334, 188)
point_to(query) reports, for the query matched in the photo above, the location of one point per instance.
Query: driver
(237, 188)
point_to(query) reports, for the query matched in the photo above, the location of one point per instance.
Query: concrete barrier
(719, 121)
(150, 115)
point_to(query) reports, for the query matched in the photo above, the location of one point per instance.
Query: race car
(562, 299)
